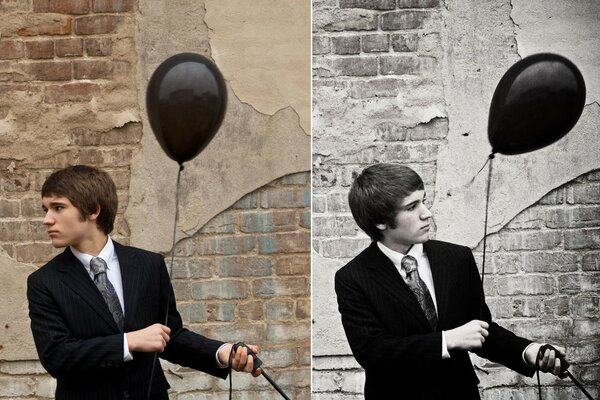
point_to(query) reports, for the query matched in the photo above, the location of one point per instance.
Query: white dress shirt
(113, 273)
(424, 269)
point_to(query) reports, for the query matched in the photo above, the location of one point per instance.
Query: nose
(425, 213)
(48, 220)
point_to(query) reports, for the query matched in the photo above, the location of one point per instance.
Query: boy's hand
(548, 362)
(469, 336)
(240, 360)
(149, 340)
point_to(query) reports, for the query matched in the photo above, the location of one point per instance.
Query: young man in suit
(98, 309)
(412, 308)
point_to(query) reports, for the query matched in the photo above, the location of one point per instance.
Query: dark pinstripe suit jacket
(79, 343)
(391, 339)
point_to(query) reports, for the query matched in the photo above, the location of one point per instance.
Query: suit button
(109, 363)
(126, 394)
(103, 364)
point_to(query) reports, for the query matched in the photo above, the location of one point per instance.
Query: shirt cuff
(445, 353)
(219, 364)
(126, 354)
(523, 355)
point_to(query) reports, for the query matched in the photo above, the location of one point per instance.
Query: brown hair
(376, 193)
(87, 188)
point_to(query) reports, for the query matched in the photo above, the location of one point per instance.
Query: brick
(345, 45)
(220, 312)
(330, 225)
(406, 64)
(47, 70)
(524, 240)
(61, 7)
(9, 208)
(98, 47)
(247, 202)
(71, 93)
(222, 223)
(13, 386)
(405, 42)
(93, 69)
(191, 312)
(287, 198)
(72, 47)
(349, 20)
(97, 24)
(182, 290)
(369, 4)
(276, 221)
(585, 306)
(338, 202)
(250, 311)
(226, 245)
(115, 157)
(319, 203)
(582, 239)
(286, 332)
(38, 253)
(223, 289)
(537, 217)
(437, 128)
(550, 262)
(7, 6)
(344, 247)
(583, 216)
(192, 268)
(234, 266)
(130, 133)
(404, 20)
(253, 332)
(47, 24)
(293, 264)
(16, 183)
(293, 242)
(418, 3)
(419, 152)
(352, 66)
(279, 310)
(585, 328)
(375, 43)
(303, 309)
(556, 306)
(11, 49)
(113, 6)
(525, 284)
(320, 45)
(540, 329)
(286, 286)
(584, 194)
(556, 196)
(505, 263)
(591, 262)
(305, 219)
(574, 283)
(280, 357)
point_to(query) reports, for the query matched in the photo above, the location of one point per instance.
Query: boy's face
(64, 222)
(412, 224)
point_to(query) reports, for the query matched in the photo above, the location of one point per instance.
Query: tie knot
(409, 264)
(98, 265)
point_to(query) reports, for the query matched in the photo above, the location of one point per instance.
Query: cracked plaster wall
(483, 39)
(265, 134)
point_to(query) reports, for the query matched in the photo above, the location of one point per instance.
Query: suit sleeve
(186, 348)
(501, 346)
(372, 345)
(61, 354)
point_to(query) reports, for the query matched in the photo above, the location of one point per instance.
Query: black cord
(539, 356)
(485, 224)
(230, 372)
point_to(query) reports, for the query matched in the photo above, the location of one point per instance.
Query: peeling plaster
(241, 32)
(518, 181)
(15, 321)
(250, 150)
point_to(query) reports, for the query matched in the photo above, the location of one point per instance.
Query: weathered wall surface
(410, 81)
(73, 76)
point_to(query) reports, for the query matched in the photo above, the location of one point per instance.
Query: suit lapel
(439, 270)
(388, 278)
(130, 278)
(75, 276)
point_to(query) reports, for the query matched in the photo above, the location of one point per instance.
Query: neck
(93, 245)
(399, 247)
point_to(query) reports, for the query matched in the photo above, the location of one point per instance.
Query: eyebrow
(414, 202)
(55, 203)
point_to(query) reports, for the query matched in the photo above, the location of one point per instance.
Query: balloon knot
(492, 155)
(180, 167)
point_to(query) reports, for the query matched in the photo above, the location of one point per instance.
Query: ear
(94, 216)
(381, 227)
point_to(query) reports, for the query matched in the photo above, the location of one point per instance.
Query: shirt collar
(106, 254)
(416, 251)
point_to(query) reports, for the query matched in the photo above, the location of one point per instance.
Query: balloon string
(170, 270)
(485, 225)
(491, 157)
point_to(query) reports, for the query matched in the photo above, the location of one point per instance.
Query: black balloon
(186, 102)
(537, 101)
